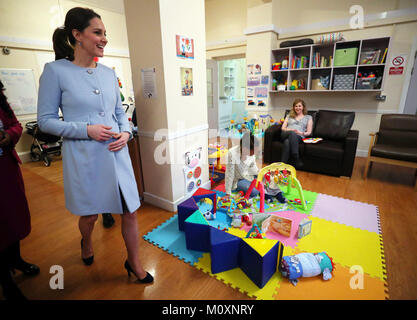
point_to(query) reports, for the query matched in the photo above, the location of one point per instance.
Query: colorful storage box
(343, 81)
(346, 57)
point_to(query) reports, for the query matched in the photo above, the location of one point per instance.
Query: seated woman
(297, 125)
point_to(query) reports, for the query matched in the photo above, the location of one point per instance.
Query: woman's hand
(100, 132)
(298, 132)
(5, 139)
(120, 143)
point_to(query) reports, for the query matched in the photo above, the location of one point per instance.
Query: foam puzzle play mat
(310, 246)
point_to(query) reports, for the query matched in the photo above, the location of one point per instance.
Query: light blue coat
(92, 173)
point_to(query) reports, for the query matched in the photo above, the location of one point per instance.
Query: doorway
(226, 91)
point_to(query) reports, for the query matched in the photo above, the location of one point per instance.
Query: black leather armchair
(335, 155)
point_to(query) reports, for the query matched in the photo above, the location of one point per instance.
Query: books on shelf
(383, 57)
(372, 56)
(299, 62)
(320, 61)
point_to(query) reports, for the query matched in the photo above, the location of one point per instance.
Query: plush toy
(306, 265)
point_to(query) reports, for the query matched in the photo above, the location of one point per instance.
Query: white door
(212, 94)
(410, 106)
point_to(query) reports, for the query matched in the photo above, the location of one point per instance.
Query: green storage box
(346, 57)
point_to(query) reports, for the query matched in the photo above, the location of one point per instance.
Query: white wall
(182, 119)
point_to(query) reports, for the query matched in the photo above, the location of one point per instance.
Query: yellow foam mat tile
(346, 245)
(237, 279)
(344, 285)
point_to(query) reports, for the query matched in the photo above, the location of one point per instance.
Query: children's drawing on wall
(264, 80)
(185, 47)
(251, 70)
(261, 92)
(186, 81)
(253, 81)
(258, 69)
(250, 92)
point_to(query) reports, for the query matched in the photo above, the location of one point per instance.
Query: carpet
(347, 230)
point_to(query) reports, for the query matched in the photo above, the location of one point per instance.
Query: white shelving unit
(313, 69)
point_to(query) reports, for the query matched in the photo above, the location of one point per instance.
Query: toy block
(259, 260)
(224, 251)
(204, 193)
(185, 209)
(197, 232)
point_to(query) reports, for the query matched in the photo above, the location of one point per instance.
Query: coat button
(89, 71)
(101, 114)
(96, 91)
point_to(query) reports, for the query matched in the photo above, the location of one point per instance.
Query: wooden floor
(55, 240)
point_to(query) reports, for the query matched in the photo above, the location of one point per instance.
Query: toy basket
(346, 57)
(343, 81)
(368, 83)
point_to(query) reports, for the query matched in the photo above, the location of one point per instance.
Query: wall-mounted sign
(397, 64)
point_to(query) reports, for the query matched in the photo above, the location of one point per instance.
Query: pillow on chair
(333, 125)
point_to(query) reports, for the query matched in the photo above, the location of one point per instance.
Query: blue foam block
(167, 237)
(224, 251)
(185, 209)
(259, 269)
(197, 236)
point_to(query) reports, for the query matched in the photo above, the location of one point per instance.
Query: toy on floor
(255, 233)
(304, 228)
(239, 219)
(292, 182)
(306, 265)
(205, 205)
(278, 225)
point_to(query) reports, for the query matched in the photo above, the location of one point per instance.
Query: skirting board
(24, 156)
(167, 204)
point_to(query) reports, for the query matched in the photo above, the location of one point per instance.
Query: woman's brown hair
(63, 40)
(297, 101)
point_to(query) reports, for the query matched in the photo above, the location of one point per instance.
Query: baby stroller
(43, 144)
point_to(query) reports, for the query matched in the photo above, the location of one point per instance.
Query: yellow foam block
(237, 279)
(237, 232)
(346, 245)
(261, 246)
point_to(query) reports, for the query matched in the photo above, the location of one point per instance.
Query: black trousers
(290, 142)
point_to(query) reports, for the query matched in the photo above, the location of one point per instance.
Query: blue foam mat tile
(167, 237)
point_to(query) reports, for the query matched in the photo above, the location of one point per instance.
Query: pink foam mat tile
(352, 213)
(292, 240)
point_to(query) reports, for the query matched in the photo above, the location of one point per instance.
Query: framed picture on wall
(185, 47)
(186, 81)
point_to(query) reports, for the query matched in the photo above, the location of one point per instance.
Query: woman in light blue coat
(98, 174)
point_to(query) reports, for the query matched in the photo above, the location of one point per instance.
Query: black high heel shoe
(147, 279)
(87, 261)
(28, 269)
